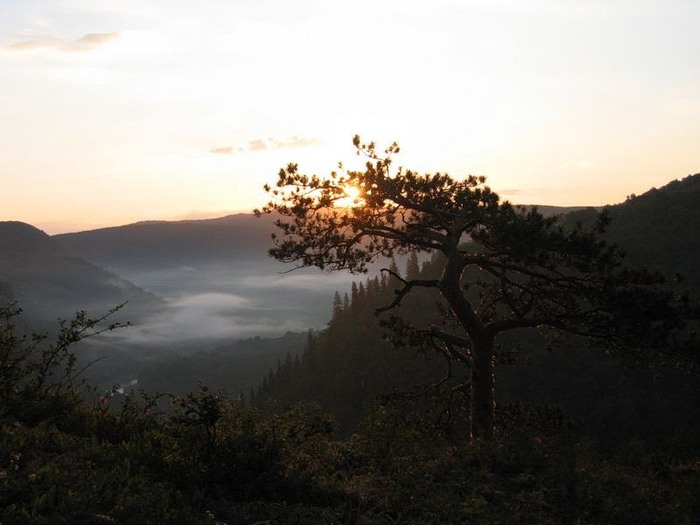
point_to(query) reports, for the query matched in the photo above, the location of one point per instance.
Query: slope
(349, 364)
(658, 228)
(145, 245)
(50, 281)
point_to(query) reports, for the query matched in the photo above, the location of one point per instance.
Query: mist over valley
(186, 287)
(200, 294)
(214, 275)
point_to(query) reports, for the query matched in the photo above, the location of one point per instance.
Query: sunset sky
(113, 111)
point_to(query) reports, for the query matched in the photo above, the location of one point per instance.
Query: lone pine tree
(504, 267)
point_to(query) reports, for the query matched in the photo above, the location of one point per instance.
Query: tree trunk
(481, 411)
(483, 400)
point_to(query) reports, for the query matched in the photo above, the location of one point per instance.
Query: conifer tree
(412, 268)
(337, 305)
(503, 267)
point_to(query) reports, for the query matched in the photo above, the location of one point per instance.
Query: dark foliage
(70, 456)
(500, 268)
(356, 361)
(237, 367)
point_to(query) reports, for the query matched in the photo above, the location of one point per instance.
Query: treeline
(348, 365)
(351, 364)
(236, 367)
(357, 429)
(69, 454)
(543, 378)
(658, 228)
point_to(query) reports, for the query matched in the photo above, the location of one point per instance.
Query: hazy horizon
(60, 228)
(120, 112)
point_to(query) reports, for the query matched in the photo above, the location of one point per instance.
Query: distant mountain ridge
(240, 237)
(161, 255)
(218, 267)
(658, 228)
(549, 211)
(220, 284)
(50, 281)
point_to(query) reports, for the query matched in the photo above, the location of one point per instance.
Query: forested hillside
(51, 281)
(235, 238)
(658, 228)
(349, 364)
(236, 367)
(72, 455)
(583, 438)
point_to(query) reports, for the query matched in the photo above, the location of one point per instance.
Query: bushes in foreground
(72, 455)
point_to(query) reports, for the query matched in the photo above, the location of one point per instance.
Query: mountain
(50, 281)
(209, 283)
(156, 244)
(216, 272)
(209, 302)
(658, 228)
(661, 227)
(549, 211)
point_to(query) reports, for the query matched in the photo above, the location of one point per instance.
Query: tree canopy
(505, 267)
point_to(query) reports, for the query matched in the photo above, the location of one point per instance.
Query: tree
(337, 305)
(504, 267)
(412, 267)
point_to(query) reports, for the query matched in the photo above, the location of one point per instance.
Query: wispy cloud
(83, 44)
(269, 143)
(226, 150)
(257, 145)
(295, 142)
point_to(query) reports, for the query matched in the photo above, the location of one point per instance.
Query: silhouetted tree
(412, 268)
(503, 267)
(337, 305)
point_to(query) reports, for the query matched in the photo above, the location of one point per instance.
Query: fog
(208, 307)
(218, 302)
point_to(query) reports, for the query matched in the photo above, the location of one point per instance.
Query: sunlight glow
(352, 199)
(106, 105)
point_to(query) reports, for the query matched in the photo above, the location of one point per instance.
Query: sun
(352, 198)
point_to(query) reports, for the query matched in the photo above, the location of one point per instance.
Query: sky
(115, 111)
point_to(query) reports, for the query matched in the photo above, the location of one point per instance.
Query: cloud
(91, 41)
(225, 150)
(270, 143)
(295, 142)
(257, 145)
(83, 44)
(41, 43)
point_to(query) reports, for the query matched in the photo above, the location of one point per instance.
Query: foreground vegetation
(71, 455)
(578, 437)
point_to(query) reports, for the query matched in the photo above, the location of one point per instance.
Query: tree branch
(400, 294)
